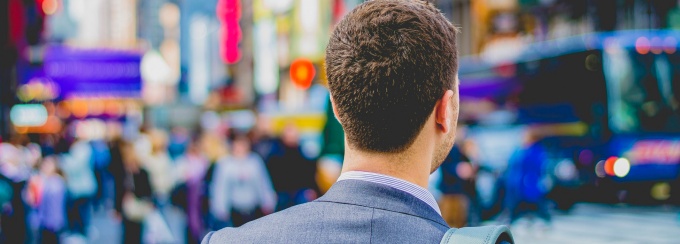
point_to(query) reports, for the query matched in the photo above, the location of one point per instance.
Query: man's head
(391, 66)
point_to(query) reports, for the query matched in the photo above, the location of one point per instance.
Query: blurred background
(156, 121)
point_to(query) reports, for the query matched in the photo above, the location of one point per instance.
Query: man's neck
(412, 165)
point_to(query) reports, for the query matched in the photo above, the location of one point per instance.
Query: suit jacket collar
(374, 195)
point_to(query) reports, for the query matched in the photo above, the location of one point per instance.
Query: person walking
(101, 158)
(193, 166)
(81, 184)
(457, 178)
(241, 190)
(293, 174)
(135, 202)
(49, 199)
(158, 164)
(525, 181)
(392, 74)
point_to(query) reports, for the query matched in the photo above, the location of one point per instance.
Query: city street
(233, 109)
(106, 230)
(594, 224)
(587, 223)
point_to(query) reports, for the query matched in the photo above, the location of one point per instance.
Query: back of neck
(408, 165)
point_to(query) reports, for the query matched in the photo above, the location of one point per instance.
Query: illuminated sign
(266, 66)
(88, 72)
(655, 151)
(229, 14)
(28, 115)
(308, 33)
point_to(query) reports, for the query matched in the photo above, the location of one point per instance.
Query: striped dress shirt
(399, 184)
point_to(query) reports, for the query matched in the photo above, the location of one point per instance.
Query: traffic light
(302, 73)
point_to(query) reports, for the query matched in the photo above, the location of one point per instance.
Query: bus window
(643, 91)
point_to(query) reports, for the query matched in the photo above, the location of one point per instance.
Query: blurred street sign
(88, 72)
(229, 14)
(28, 115)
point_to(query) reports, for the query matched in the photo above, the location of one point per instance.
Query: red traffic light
(302, 73)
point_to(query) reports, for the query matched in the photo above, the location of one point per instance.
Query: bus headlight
(621, 167)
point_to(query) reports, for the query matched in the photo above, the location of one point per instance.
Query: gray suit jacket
(352, 211)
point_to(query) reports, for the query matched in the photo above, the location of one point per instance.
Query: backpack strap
(494, 234)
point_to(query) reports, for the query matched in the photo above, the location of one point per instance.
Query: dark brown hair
(388, 62)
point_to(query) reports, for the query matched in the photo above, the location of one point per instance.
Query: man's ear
(444, 112)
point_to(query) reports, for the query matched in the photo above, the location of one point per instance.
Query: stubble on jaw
(443, 151)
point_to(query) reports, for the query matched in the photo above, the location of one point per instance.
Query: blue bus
(607, 107)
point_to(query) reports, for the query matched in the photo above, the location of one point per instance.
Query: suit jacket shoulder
(351, 212)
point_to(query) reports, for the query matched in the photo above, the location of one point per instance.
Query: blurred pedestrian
(135, 202)
(47, 193)
(213, 146)
(179, 141)
(63, 141)
(292, 173)
(525, 180)
(457, 187)
(81, 184)
(158, 164)
(264, 143)
(48, 143)
(192, 167)
(32, 154)
(101, 158)
(241, 189)
(117, 170)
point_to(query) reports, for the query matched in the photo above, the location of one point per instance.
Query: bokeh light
(609, 165)
(50, 7)
(661, 191)
(621, 167)
(670, 45)
(642, 45)
(599, 169)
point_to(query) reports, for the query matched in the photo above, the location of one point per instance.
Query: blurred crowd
(51, 184)
(219, 176)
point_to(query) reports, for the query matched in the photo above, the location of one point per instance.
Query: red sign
(229, 14)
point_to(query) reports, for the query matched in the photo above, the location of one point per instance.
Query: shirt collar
(399, 184)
